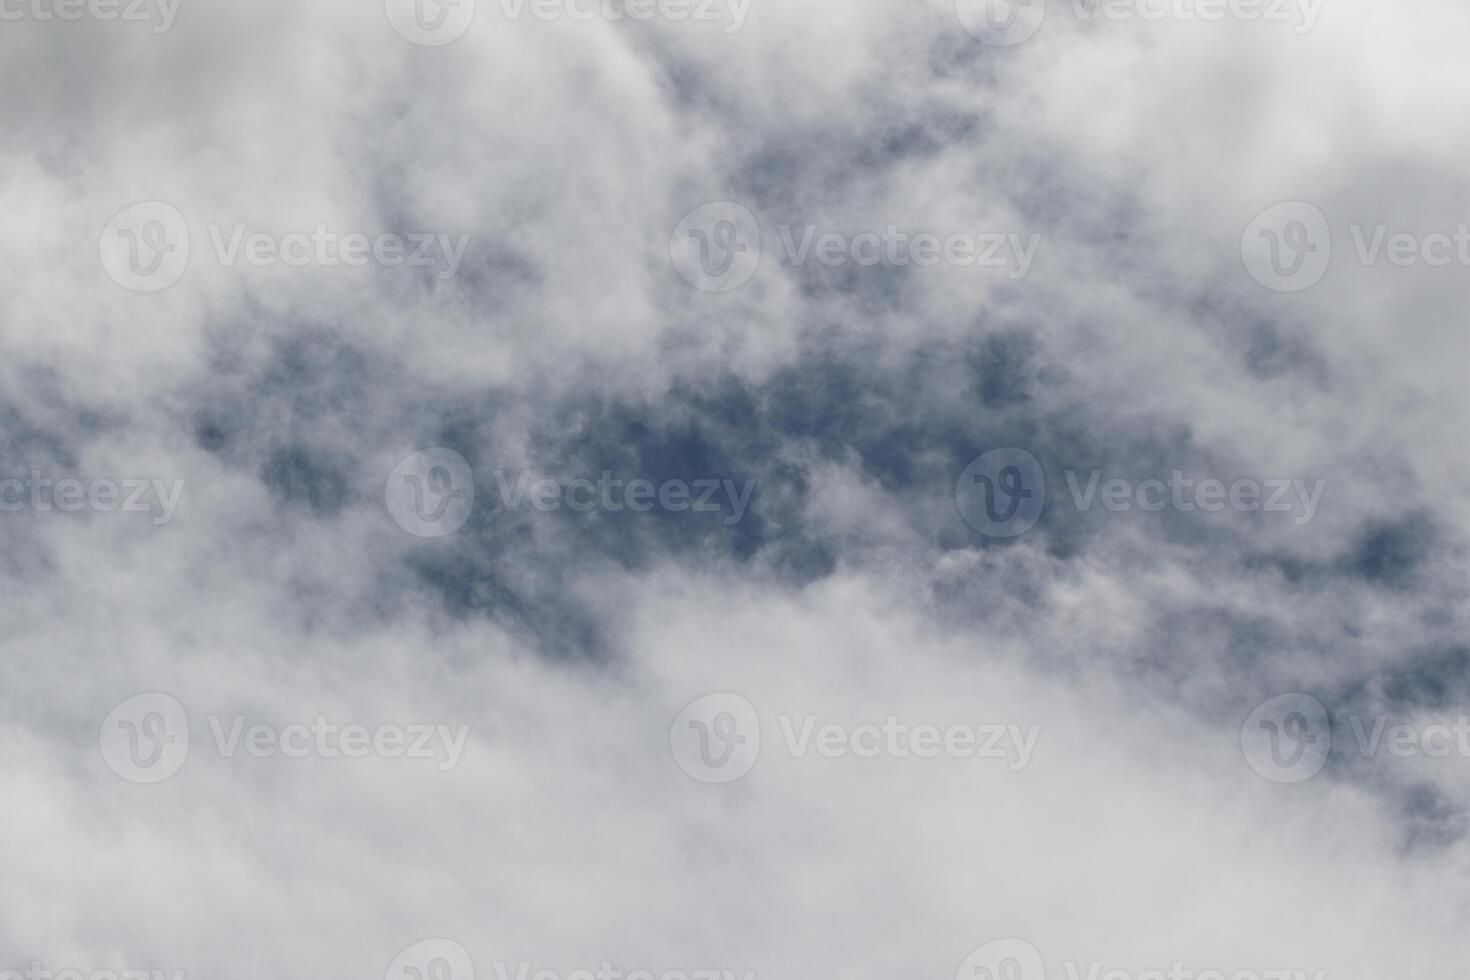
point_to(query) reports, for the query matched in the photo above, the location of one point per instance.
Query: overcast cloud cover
(314, 492)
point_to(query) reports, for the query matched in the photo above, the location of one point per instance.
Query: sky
(734, 490)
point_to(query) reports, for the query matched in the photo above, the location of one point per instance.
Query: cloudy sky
(741, 489)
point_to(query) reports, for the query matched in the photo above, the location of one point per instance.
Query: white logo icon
(1002, 493)
(430, 23)
(1287, 739)
(145, 247)
(1001, 23)
(1003, 959)
(432, 959)
(717, 248)
(1288, 247)
(146, 738)
(432, 493)
(717, 738)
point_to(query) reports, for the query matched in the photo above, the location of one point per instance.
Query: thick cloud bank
(734, 489)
